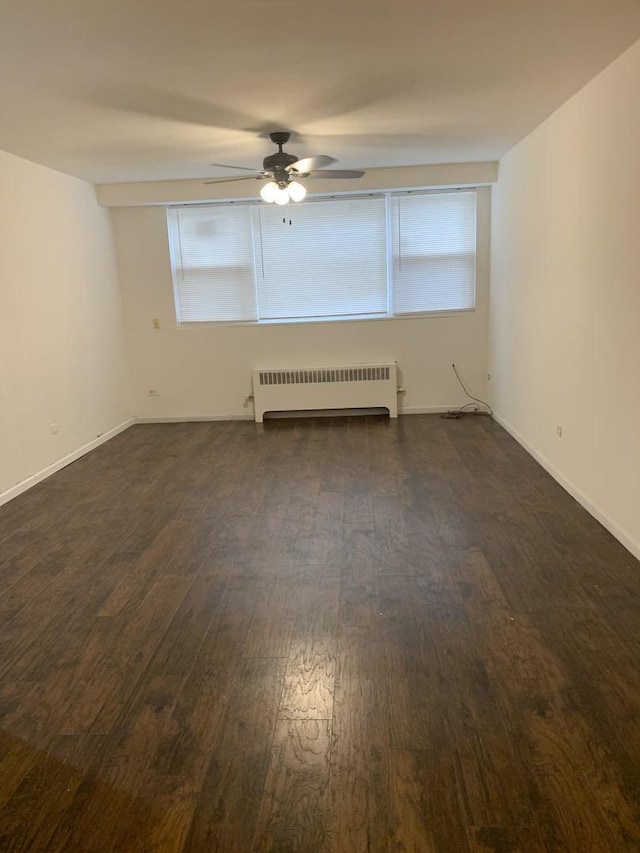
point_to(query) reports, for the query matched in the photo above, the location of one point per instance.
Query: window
(383, 255)
(322, 259)
(213, 263)
(434, 252)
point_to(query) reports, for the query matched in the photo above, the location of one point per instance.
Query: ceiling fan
(282, 171)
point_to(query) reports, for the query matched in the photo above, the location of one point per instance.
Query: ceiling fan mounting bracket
(279, 137)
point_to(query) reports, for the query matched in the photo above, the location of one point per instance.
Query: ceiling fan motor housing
(277, 164)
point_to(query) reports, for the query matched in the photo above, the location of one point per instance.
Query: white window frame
(389, 315)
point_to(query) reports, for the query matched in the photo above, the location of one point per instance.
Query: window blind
(434, 251)
(212, 254)
(322, 259)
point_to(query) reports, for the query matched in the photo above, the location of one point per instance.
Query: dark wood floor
(339, 635)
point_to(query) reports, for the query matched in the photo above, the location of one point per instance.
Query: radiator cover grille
(323, 374)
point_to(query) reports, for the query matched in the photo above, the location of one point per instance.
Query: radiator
(355, 386)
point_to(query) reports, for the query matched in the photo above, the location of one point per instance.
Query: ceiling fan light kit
(283, 169)
(269, 192)
(282, 193)
(296, 191)
(282, 196)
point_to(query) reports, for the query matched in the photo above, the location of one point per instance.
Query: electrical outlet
(153, 392)
(54, 427)
(156, 323)
(559, 430)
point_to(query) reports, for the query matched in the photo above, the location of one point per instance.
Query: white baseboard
(427, 410)
(28, 482)
(620, 534)
(410, 410)
(193, 418)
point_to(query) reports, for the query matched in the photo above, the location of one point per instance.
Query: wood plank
(425, 805)
(309, 680)
(514, 839)
(295, 812)
(227, 810)
(360, 756)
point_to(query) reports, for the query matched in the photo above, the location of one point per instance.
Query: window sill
(363, 318)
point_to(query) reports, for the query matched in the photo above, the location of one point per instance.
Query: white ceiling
(135, 90)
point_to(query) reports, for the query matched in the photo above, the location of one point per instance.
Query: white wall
(206, 371)
(62, 355)
(565, 295)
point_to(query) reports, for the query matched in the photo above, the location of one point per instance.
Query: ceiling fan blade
(356, 94)
(227, 166)
(335, 173)
(309, 163)
(228, 180)
(161, 104)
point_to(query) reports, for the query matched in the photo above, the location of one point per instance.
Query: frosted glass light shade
(268, 192)
(282, 196)
(296, 191)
